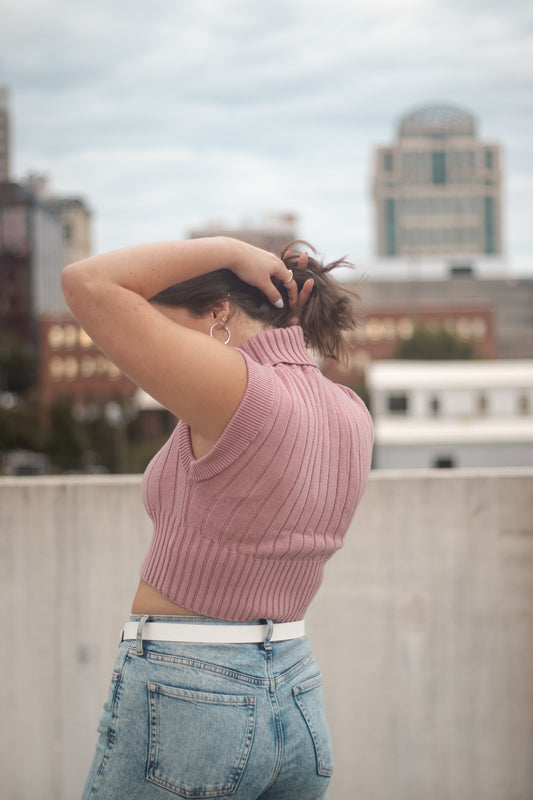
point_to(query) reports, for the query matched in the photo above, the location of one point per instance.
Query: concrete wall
(424, 629)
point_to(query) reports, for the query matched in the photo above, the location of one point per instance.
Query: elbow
(74, 282)
(68, 282)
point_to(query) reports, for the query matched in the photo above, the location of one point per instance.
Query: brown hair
(327, 314)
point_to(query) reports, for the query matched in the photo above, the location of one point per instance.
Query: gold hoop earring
(224, 327)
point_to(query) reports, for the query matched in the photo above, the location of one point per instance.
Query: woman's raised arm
(146, 269)
(197, 378)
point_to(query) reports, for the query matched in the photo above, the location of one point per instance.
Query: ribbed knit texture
(244, 532)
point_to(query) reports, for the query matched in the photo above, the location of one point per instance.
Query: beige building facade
(76, 219)
(437, 189)
(274, 233)
(73, 212)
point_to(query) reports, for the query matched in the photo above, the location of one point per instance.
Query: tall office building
(31, 257)
(4, 133)
(437, 189)
(39, 234)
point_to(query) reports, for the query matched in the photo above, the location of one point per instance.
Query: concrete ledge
(423, 627)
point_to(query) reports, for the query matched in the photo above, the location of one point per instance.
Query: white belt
(222, 634)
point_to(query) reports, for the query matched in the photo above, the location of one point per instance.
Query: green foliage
(428, 344)
(21, 428)
(18, 364)
(101, 443)
(71, 443)
(142, 452)
(361, 389)
(65, 439)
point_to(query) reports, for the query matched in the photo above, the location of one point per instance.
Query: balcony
(423, 628)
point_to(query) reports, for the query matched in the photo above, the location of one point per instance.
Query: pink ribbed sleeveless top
(244, 532)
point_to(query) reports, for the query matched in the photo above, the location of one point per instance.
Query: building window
(444, 462)
(55, 337)
(489, 226)
(85, 339)
(374, 329)
(70, 368)
(435, 406)
(87, 366)
(489, 159)
(459, 270)
(482, 404)
(405, 328)
(397, 404)
(390, 227)
(523, 404)
(389, 329)
(55, 367)
(100, 365)
(388, 163)
(71, 336)
(438, 161)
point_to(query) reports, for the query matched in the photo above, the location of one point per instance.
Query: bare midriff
(148, 600)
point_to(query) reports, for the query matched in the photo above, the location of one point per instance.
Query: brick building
(72, 366)
(383, 328)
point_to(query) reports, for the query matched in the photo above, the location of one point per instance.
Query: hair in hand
(326, 316)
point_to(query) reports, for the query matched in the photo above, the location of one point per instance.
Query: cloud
(165, 114)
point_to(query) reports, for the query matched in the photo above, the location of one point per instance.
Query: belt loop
(140, 627)
(267, 644)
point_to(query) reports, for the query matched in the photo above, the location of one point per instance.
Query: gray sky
(167, 114)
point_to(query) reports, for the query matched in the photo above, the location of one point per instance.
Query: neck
(243, 328)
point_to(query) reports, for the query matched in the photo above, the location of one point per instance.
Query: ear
(221, 309)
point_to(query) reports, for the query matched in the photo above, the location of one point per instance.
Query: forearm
(147, 269)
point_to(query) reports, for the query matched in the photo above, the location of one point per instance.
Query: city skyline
(231, 111)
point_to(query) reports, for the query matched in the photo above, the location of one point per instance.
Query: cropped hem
(223, 583)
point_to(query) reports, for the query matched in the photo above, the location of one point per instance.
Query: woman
(215, 692)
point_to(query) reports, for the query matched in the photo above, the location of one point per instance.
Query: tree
(20, 428)
(18, 364)
(428, 344)
(65, 439)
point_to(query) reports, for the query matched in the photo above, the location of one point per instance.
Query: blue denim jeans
(189, 720)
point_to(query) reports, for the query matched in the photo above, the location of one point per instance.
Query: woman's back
(244, 532)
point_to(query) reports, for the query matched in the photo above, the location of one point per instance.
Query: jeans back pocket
(199, 741)
(309, 698)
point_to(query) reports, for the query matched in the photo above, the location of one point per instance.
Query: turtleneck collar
(278, 346)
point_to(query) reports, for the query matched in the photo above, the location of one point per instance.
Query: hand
(257, 267)
(305, 292)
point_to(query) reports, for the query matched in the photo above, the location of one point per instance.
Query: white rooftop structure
(485, 431)
(452, 413)
(433, 268)
(441, 375)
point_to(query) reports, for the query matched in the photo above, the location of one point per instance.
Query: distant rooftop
(437, 119)
(432, 268)
(464, 374)
(417, 431)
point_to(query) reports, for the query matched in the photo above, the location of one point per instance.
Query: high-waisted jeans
(187, 720)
